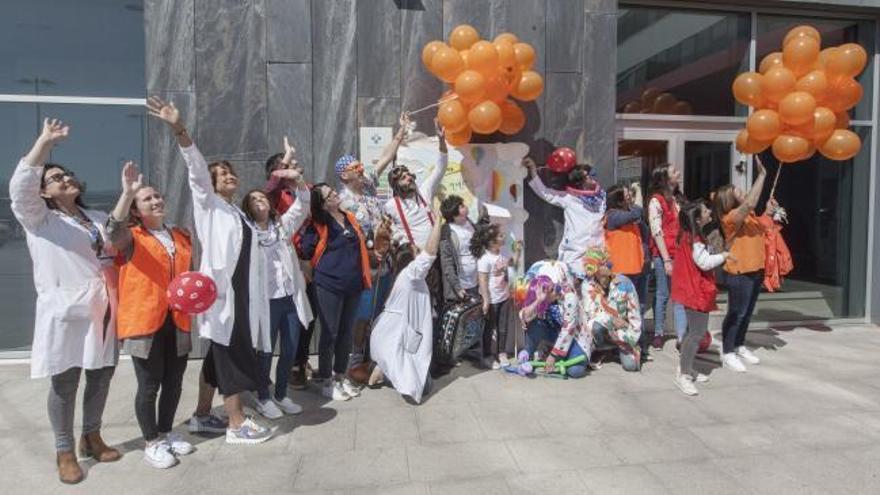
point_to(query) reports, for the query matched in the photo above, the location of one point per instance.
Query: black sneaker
(298, 379)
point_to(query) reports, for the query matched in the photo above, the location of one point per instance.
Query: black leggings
(497, 324)
(163, 369)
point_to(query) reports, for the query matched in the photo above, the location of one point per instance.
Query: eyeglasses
(58, 178)
(356, 167)
(329, 195)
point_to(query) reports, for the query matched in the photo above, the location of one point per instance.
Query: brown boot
(92, 445)
(69, 471)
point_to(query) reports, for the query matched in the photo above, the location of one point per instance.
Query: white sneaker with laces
(496, 365)
(686, 384)
(268, 409)
(333, 390)
(729, 360)
(701, 378)
(744, 352)
(350, 388)
(156, 454)
(177, 445)
(288, 406)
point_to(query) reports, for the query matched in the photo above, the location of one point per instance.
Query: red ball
(191, 293)
(706, 342)
(562, 160)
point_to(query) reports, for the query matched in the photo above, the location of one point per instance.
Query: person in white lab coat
(75, 279)
(402, 338)
(237, 324)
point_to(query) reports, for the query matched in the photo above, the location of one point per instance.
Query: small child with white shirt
(494, 284)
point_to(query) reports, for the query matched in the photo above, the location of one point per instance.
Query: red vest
(691, 287)
(669, 222)
(143, 280)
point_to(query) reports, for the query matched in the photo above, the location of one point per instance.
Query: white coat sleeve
(420, 266)
(703, 259)
(199, 177)
(430, 185)
(555, 198)
(293, 218)
(24, 192)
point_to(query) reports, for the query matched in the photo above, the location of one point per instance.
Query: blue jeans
(283, 322)
(661, 298)
(540, 330)
(600, 339)
(742, 294)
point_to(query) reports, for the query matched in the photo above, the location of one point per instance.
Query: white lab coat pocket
(412, 339)
(79, 304)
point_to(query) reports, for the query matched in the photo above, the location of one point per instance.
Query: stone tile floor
(807, 420)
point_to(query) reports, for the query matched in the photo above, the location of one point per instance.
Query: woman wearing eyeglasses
(75, 279)
(337, 248)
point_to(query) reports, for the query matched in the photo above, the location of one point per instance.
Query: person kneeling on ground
(610, 309)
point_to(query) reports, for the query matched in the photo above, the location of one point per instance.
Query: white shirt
(704, 259)
(164, 236)
(467, 278)
(495, 266)
(417, 214)
(273, 244)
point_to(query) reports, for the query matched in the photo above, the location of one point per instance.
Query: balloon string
(433, 105)
(776, 179)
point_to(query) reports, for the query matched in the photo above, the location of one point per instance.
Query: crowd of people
(376, 273)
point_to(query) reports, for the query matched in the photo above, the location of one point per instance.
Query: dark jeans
(497, 324)
(162, 370)
(336, 312)
(283, 322)
(539, 330)
(305, 335)
(742, 294)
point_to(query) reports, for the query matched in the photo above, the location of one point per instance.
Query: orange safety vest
(624, 246)
(322, 246)
(143, 281)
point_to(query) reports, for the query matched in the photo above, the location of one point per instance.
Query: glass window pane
(59, 47)
(636, 159)
(690, 54)
(101, 139)
(772, 30)
(706, 168)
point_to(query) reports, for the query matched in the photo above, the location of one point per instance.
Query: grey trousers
(698, 323)
(62, 403)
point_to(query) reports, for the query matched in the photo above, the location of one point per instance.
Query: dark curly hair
(49, 201)
(483, 236)
(449, 207)
(247, 205)
(579, 174)
(272, 163)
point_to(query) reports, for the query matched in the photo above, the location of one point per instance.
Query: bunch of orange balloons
(653, 100)
(802, 96)
(484, 76)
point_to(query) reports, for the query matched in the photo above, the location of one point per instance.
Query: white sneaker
(496, 365)
(177, 445)
(701, 378)
(268, 409)
(686, 384)
(288, 406)
(729, 360)
(156, 454)
(249, 433)
(744, 352)
(350, 388)
(333, 390)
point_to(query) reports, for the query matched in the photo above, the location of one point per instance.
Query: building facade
(246, 72)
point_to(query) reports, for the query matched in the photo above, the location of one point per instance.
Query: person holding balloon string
(237, 324)
(583, 203)
(155, 334)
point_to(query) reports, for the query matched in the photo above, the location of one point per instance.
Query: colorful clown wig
(594, 258)
(527, 296)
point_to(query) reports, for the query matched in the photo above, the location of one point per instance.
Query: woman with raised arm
(75, 279)
(744, 269)
(237, 324)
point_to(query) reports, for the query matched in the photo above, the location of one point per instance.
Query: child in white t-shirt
(494, 284)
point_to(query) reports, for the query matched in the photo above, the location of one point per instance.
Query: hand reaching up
(165, 111)
(132, 178)
(54, 131)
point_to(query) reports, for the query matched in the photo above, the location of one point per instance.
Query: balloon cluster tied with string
(802, 96)
(484, 77)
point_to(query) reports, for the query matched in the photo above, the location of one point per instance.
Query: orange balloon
(429, 50)
(483, 57)
(844, 94)
(847, 60)
(529, 87)
(764, 125)
(525, 55)
(512, 78)
(459, 138)
(452, 116)
(814, 82)
(508, 37)
(513, 119)
(648, 97)
(802, 32)
(797, 107)
(470, 85)
(746, 144)
(770, 61)
(632, 107)
(506, 55)
(824, 121)
(776, 83)
(747, 89)
(824, 55)
(841, 120)
(682, 108)
(447, 64)
(464, 57)
(842, 145)
(800, 54)
(485, 118)
(463, 36)
(496, 87)
(665, 103)
(789, 149)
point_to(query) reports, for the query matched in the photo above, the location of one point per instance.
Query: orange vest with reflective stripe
(323, 234)
(143, 280)
(624, 246)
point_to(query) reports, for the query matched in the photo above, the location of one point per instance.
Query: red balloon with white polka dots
(191, 293)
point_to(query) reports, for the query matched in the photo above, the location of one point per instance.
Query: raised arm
(293, 218)
(753, 195)
(618, 218)
(24, 186)
(429, 187)
(117, 230)
(390, 151)
(553, 197)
